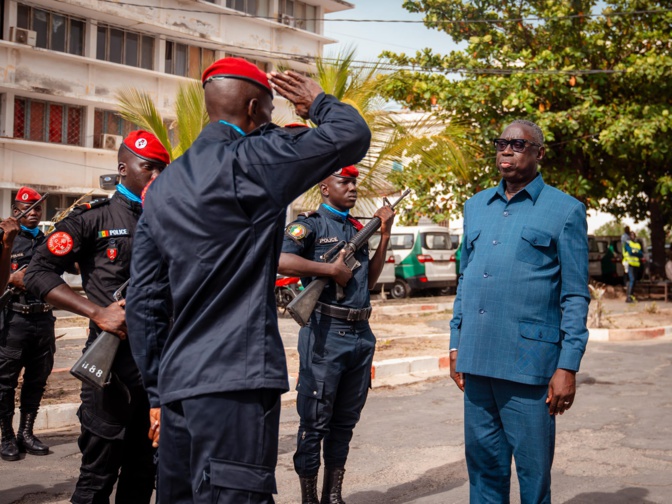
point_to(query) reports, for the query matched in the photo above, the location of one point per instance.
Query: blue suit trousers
(504, 419)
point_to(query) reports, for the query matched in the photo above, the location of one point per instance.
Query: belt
(28, 309)
(349, 314)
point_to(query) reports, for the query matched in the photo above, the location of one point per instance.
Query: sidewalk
(385, 373)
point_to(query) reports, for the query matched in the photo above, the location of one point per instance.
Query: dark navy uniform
(213, 226)
(27, 338)
(335, 353)
(115, 420)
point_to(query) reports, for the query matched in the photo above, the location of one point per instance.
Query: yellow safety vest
(632, 260)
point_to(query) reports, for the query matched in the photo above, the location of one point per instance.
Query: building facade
(62, 63)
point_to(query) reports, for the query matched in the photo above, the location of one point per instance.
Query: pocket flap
(472, 237)
(540, 332)
(308, 386)
(239, 476)
(536, 238)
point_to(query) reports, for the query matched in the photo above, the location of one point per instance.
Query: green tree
(600, 88)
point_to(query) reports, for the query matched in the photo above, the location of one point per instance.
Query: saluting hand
(298, 89)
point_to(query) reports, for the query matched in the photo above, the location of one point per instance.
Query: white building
(62, 62)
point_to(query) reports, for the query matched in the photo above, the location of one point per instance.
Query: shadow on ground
(632, 495)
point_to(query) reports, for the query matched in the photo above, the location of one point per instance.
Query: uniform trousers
(220, 448)
(114, 445)
(334, 380)
(26, 341)
(503, 418)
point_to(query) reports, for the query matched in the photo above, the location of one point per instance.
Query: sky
(370, 39)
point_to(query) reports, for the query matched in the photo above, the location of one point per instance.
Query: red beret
(236, 68)
(347, 172)
(27, 195)
(145, 145)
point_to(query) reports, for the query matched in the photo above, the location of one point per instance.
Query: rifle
(10, 292)
(95, 365)
(26, 211)
(303, 305)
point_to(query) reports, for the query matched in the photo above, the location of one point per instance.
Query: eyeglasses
(517, 144)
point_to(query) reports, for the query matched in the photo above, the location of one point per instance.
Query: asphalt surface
(613, 447)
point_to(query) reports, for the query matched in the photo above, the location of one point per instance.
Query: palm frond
(191, 114)
(138, 107)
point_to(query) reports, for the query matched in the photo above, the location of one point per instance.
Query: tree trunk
(657, 266)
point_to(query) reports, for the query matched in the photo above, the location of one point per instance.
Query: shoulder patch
(296, 231)
(60, 243)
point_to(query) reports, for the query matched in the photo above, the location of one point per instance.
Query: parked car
(424, 259)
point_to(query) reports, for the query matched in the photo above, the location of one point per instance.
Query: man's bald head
(238, 101)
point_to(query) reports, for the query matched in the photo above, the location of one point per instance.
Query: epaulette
(308, 214)
(84, 207)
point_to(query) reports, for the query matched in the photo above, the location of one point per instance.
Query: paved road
(613, 447)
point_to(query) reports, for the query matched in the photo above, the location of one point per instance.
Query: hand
(386, 216)
(561, 391)
(10, 226)
(16, 279)
(458, 378)
(154, 426)
(341, 273)
(299, 90)
(112, 319)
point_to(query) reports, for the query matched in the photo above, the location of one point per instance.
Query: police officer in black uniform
(27, 338)
(336, 347)
(98, 236)
(212, 227)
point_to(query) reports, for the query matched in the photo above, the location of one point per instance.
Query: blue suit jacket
(522, 300)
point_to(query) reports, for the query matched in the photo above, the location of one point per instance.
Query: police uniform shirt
(98, 236)
(317, 233)
(22, 252)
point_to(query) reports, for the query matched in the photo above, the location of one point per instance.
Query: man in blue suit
(519, 327)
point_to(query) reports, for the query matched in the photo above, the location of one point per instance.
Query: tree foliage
(600, 88)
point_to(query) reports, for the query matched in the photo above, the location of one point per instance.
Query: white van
(424, 259)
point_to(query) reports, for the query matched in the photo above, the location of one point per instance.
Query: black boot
(309, 490)
(9, 450)
(26, 440)
(333, 481)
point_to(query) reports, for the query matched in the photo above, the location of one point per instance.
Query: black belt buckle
(353, 316)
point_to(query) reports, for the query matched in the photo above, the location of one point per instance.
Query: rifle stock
(303, 305)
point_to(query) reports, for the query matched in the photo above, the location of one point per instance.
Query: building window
(48, 122)
(108, 122)
(298, 14)
(125, 47)
(54, 31)
(252, 7)
(186, 60)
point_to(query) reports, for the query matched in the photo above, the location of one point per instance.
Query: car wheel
(400, 290)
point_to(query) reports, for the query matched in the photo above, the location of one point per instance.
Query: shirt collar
(533, 189)
(324, 211)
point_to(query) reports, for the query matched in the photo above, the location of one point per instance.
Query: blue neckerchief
(344, 215)
(237, 128)
(32, 231)
(128, 194)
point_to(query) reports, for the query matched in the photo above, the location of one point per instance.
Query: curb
(628, 334)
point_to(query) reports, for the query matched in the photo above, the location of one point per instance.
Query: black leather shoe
(333, 482)
(9, 450)
(26, 439)
(309, 490)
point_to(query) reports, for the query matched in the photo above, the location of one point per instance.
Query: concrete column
(10, 18)
(91, 39)
(7, 117)
(160, 54)
(5, 202)
(89, 119)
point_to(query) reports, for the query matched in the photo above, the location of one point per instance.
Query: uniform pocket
(536, 247)
(310, 392)
(227, 475)
(538, 349)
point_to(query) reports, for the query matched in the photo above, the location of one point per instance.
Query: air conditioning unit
(22, 36)
(288, 20)
(111, 142)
